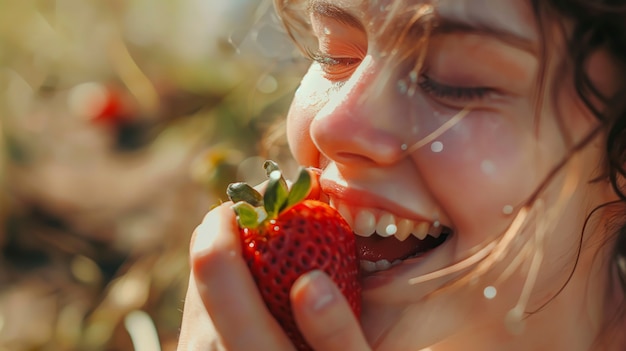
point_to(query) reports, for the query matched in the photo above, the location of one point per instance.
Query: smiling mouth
(384, 240)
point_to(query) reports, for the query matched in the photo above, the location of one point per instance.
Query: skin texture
(479, 176)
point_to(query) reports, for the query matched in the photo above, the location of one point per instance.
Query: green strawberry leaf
(300, 189)
(270, 166)
(247, 215)
(243, 192)
(275, 197)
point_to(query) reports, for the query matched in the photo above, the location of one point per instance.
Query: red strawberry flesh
(284, 236)
(291, 246)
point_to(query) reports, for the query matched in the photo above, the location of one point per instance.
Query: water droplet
(391, 229)
(436, 146)
(327, 30)
(488, 167)
(402, 87)
(404, 147)
(507, 210)
(490, 292)
(436, 224)
(413, 77)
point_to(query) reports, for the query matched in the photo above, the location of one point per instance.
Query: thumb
(324, 315)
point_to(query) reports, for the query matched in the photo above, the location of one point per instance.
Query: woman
(497, 129)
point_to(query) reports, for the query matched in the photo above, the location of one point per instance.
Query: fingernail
(320, 293)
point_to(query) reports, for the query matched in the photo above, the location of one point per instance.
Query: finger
(324, 316)
(197, 331)
(316, 192)
(228, 290)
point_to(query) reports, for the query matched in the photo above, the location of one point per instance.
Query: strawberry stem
(252, 208)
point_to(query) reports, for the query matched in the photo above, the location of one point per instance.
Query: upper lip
(354, 197)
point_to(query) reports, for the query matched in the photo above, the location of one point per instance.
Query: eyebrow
(326, 9)
(442, 25)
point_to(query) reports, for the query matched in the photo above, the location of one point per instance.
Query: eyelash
(443, 91)
(338, 68)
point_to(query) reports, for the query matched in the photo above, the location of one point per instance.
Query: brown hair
(601, 24)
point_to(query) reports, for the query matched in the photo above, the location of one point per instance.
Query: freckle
(436, 146)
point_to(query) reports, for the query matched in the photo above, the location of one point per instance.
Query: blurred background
(121, 124)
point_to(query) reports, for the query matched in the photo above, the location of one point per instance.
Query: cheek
(479, 169)
(309, 99)
(298, 136)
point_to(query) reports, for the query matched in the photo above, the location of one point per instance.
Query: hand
(224, 311)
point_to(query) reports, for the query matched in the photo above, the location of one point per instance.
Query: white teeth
(368, 266)
(345, 213)
(364, 223)
(382, 265)
(421, 230)
(404, 229)
(386, 225)
(435, 230)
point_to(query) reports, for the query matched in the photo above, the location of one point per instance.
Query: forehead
(512, 16)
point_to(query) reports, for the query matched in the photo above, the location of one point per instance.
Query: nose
(362, 124)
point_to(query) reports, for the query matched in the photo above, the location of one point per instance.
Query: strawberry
(285, 235)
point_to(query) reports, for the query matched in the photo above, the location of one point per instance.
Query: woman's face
(437, 162)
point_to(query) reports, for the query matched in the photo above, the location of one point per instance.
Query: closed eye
(336, 68)
(454, 93)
